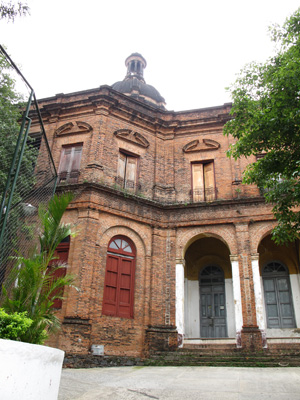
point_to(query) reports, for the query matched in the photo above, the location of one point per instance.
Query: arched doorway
(118, 294)
(209, 310)
(213, 321)
(278, 296)
(280, 289)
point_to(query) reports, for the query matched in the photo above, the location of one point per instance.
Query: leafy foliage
(10, 10)
(13, 326)
(266, 120)
(10, 115)
(36, 286)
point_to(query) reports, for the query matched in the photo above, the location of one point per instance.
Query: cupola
(134, 84)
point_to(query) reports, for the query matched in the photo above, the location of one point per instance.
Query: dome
(134, 84)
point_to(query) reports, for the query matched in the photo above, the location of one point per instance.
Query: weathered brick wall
(159, 218)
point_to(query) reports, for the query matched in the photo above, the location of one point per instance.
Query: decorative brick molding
(135, 138)
(206, 145)
(73, 129)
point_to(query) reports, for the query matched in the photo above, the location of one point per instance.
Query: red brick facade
(157, 212)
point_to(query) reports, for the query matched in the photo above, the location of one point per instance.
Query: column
(258, 297)
(251, 337)
(180, 300)
(237, 297)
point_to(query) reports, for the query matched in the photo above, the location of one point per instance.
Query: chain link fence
(27, 172)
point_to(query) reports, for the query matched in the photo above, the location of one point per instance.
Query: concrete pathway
(180, 383)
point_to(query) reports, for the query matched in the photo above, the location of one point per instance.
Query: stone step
(284, 347)
(224, 352)
(209, 346)
(230, 358)
(236, 355)
(192, 358)
(228, 361)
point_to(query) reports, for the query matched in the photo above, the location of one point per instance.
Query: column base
(251, 338)
(161, 338)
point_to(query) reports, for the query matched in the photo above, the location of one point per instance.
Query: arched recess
(185, 238)
(208, 298)
(141, 269)
(279, 280)
(118, 296)
(140, 241)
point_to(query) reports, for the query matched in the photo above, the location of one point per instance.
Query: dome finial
(134, 84)
(135, 64)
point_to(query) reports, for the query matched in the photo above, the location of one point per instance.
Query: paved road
(180, 383)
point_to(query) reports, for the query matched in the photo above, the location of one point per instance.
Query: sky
(193, 48)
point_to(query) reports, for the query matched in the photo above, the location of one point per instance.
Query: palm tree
(32, 286)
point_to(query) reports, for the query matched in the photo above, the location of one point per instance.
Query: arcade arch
(279, 285)
(209, 310)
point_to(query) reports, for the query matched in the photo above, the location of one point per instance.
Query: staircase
(224, 353)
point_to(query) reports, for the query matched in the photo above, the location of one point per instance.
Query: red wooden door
(61, 254)
(118, 294)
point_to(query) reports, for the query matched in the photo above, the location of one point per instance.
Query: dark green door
(213, 322)
(278, 296)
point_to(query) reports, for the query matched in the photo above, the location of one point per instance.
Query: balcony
(203, 194)
(68, 177)
(127, 184)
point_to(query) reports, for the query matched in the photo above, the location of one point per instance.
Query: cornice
(104, 100)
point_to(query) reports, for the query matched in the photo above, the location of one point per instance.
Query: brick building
(171, 247)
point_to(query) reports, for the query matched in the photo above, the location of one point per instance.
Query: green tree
(31, 286)
(266, 120)
(9, 10)
(11, 105)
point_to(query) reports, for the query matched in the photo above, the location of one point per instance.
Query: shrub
(13, 326)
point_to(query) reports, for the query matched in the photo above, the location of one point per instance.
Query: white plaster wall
(237, 296)
(180, 298)
(29, 371)
(258, 293)
(230, 308)
(295, 287)
(191, 309)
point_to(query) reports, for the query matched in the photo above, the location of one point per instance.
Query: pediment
(72, 128)
(132, 137)
(197, 146)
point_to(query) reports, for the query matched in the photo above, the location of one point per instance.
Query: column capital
(255, 256)
(234, 257)
(180, 261)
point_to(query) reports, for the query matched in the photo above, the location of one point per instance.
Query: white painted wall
(191, 309)
(180, 298)
(29, 371)
(230, 308)
(237, 296)
(258, 293)
(295, 287)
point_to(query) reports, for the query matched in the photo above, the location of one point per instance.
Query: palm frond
(32, 286)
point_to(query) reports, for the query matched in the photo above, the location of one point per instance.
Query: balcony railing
(203, 194)
(127, 184)
(68, 177)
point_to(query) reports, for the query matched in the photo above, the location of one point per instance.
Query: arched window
(118, 294)
(278, 296)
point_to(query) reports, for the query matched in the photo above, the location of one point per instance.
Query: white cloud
(193, 48)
